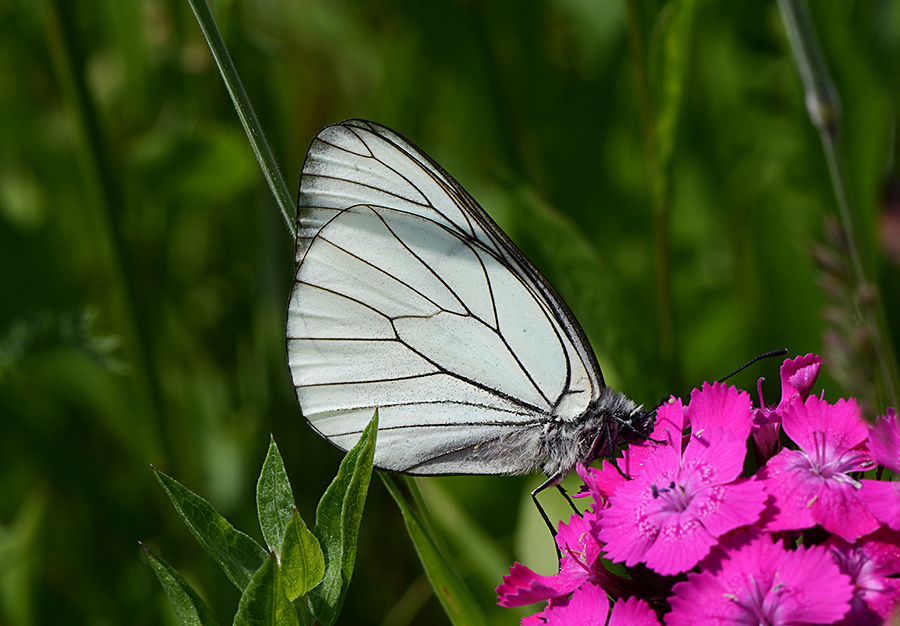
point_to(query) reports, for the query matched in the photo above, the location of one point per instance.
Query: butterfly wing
(409, 299)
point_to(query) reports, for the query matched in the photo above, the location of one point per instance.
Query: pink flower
(523, 586)
(797, 379)
(873, 565)
(813, 485)
(599, 484)
(679, 503)
(757, 581)
(882, 498)
(673, 512)
(580, 564)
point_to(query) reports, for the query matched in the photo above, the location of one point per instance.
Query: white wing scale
(409, 299)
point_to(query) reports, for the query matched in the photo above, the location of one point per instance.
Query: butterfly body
(409, 299)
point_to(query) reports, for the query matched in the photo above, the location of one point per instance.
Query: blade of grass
(824, 108)
(479, 550)
(677, 31)
(659, 123)
(456, 599)
(245, 112)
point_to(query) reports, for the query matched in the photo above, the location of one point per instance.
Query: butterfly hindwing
(409, 299)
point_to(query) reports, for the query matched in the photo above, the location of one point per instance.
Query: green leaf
(274, 499)
(189, 606)
(236, 553)
(264, 602)
(302, 561)
(454, 596)
(337, 525)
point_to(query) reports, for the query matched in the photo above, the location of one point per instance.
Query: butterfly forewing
(359, 162)
(409, 299)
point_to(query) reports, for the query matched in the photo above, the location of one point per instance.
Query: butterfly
(409, 299)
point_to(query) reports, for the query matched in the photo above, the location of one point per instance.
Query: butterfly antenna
(765, 355)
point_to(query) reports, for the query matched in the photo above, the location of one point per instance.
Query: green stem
(454, 596)
(419, 505)
(245, 112)
(824, 108)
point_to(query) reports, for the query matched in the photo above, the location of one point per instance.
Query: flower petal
(588, 606)
(884, 440)
(681, 543)
(721, 405)
(632, 612)
(882, 498)
(523, 586)
(839, 509)
(841, 424)
(719, 452)
(731, 506)
(786, 478)
(798, 377)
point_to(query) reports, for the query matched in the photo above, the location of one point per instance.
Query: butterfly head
(636, 428)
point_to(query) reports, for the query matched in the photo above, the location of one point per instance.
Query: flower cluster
(790, 534)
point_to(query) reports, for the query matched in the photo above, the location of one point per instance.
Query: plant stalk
(824, 108)
(251, 124)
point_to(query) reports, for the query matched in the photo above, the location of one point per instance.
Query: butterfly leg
(553, 481)
(534, 493)
(565, 495)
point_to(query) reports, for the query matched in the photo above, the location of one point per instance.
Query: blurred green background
(144, 267)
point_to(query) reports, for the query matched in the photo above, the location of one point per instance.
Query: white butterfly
(409, 299)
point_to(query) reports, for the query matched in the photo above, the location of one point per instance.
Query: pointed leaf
(456, 599)
(274, 499)
(337, 525)
(264, 602)
(236, 553)
(302, 561)
(189, 606)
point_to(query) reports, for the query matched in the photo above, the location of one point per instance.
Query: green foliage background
(144, 268)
